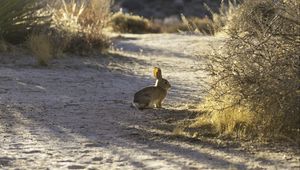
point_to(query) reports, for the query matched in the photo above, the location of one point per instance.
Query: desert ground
(76, 114)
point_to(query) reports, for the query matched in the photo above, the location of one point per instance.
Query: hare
(152, 96)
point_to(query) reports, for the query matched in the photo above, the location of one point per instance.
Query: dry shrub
(129, 23)
(204, 25)
(41, 48)
(194, 24)
(169, 24)
(174, 24)
(221, 18)
(79, 25)
(255, 76)
(75, 25)
(184, 24)
(19, 17)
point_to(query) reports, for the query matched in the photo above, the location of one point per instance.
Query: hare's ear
(157, 73)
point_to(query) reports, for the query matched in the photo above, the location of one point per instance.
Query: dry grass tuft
(196, 25)
(254, 85)
(41, 48)
(128, 23)
(79, 26)
(237, 121)
(174, 24)
(221, 19)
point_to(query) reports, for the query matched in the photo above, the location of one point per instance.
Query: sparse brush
(74, 26)
(19, 17)
(81, 23)
(254, 83)
(196, 25)
(186, 25)
(221, 19)
(60, 41)
(41, 47)
(204, 25)
(128, 23)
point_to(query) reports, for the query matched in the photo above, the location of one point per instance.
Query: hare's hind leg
(158, 104)
(140, 106)
(142, 102)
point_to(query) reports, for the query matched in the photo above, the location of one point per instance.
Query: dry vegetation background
(254, 78)
(173, 16)
(163, 9)
(51, 29)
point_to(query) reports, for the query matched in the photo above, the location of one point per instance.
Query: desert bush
(194, 24)
(128, 23)
(254, 83)
(41, 47)
(78, 26)
(220, 19)
(204, 25)
(174, 24)
(19, 17)
(73, 26)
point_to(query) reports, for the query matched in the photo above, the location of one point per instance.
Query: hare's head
(160, 82)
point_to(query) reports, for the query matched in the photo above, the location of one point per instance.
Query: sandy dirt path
(76, 113)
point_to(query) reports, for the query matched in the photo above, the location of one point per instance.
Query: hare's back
(144, 93)
(148, 94)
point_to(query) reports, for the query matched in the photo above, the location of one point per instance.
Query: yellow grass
(79, 25)
(129, 23)
(222, 18)
(225, 118)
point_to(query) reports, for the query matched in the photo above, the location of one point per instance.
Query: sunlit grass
(221, 18)
(129, 23)
(226, 117)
